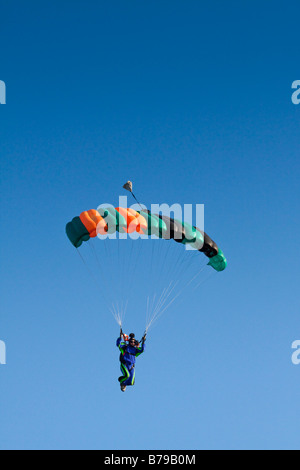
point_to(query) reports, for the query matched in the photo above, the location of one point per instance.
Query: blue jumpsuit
(128, 357)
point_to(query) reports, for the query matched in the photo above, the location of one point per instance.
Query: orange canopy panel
(93, 222)
(135, 221)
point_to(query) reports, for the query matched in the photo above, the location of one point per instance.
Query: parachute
(125, 220)
(167, 272)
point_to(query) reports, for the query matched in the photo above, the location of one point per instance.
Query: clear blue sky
(192, 101)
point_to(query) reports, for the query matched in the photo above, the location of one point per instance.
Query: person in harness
(130, 349)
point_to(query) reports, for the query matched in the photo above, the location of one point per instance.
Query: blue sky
(193, 103)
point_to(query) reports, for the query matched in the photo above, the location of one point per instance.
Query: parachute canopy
(110, 220)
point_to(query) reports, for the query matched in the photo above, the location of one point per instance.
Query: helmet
(131, 337)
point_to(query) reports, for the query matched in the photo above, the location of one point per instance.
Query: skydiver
(129, 352)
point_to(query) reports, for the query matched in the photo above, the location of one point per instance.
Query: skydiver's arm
(140, 349)
(120, 344)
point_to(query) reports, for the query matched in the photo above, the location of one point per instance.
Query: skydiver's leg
(132, 376)
(128, 377)
(125, 376)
